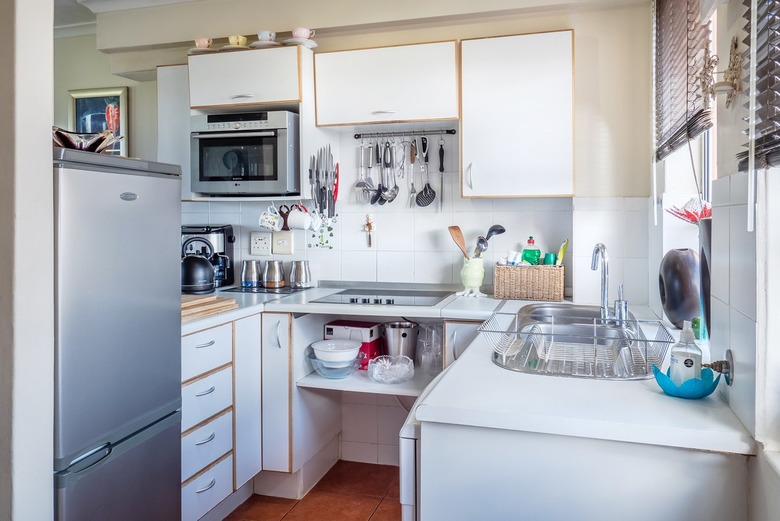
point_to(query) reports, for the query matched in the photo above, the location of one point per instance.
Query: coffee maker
(221, 238)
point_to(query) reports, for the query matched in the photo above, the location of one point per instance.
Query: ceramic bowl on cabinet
(336, 350)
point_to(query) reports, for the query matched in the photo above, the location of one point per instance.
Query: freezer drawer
(206, 397)
(204, 492)
(139, 479)
(205, 350)
(206, 444)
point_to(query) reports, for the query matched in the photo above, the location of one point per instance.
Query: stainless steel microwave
(245, 154)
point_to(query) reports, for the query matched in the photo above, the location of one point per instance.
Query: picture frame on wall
(96, 110)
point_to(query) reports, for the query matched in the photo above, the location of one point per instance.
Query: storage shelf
(358, 382)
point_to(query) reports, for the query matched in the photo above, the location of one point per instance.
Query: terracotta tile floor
(348, 492)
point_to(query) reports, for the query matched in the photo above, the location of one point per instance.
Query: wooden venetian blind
(680, 43)
(767, 145)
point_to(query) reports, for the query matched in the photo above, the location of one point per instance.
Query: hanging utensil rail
(440, 131)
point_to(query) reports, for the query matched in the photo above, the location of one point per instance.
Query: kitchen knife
(441, 175)
(312, 168)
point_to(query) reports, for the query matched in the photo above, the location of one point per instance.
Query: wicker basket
(543, 282)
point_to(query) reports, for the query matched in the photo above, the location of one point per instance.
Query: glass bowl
(334, 370)
(336, 350)
(387, 369)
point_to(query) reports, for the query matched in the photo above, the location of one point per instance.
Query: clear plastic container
(334, 370)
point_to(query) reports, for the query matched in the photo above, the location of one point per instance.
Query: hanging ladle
(496, 229)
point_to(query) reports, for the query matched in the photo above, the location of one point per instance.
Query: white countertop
(476, 392)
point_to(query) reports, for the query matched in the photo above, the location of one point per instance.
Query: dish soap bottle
(685, 358)
(531, 253)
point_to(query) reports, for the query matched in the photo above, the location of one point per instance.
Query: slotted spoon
(427, 195)
(412, 159)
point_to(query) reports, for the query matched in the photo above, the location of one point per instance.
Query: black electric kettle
(197, 272)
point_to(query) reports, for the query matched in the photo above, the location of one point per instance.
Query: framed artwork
(96, 110)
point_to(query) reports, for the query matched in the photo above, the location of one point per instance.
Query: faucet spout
(600, 252)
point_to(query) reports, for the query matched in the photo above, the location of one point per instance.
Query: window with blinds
(767, 117)
(680, 43)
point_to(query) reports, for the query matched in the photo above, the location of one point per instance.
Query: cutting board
(195, 307)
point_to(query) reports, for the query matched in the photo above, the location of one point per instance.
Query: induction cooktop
(386, 297)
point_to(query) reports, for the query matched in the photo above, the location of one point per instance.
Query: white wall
(79, 65)
(26, 285)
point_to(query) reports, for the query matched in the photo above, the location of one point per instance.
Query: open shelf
(358, 382)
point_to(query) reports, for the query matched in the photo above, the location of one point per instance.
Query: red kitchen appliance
(370, 333)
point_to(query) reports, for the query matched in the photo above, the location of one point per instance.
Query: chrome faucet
(600, 251)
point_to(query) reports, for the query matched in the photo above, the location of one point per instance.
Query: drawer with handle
(204, 445)
(206, 397)
(206, 491)
(205, 350)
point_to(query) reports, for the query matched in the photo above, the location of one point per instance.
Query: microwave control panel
(237, 125)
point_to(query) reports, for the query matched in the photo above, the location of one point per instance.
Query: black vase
(678, 281)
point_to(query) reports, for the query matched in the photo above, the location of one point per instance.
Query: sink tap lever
(600, 252)
(621, 308)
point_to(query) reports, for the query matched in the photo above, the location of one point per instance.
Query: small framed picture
(96, 110)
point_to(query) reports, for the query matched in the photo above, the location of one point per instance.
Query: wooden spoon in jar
(457, 236)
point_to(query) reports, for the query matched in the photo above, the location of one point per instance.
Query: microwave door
(241, 163)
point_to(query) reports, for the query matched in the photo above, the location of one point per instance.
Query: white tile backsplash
(359, 265)
(742, 395)
(394, 232)
(387, 455)
(742, 263)
(359, 422)
(360, 452)
(389, 425)
(395, 266)
(719, 264)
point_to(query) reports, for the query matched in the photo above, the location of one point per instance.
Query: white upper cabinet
(262, 76)
(517, 115)
(403, 83)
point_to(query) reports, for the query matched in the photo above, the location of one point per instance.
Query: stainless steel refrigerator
(117, 409)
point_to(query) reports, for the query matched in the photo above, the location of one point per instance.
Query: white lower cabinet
(206, 491)
(247, 404)
(297, 423)
(206, 444)
(221, 444)
(458, 334)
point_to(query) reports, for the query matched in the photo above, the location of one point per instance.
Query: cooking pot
(197, 272)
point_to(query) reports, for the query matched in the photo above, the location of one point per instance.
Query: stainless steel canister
(400, 338)
(300, 275)
(273, 274)
(250, 274)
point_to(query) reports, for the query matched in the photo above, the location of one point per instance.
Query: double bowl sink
(573, 340)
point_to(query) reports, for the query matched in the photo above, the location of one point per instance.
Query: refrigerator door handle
(207, 391)
(90, 459)
(204, 489)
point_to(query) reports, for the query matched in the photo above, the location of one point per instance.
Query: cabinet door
(403, 83)
(244, 78)
(276, 392)
(457, 337)
(517, 115)
(173, 121)
(247, 401)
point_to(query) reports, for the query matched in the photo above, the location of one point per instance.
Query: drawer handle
(278, 338)
(203, 442)
(380, 112)
(455, 345)
(471, 180)
(242, 96)
(207, 391)
(204, 489)
(207, 344)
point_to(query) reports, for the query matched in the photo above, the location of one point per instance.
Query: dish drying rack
(585, 348)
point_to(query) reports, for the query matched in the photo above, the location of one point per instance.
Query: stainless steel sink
(573, 340)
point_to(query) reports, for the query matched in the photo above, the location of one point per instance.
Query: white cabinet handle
(278, 338)
(470, 168)
(210, 438)
(204, 489)
(380, 112)
(242, 96)
(207, 344)
(207, 391)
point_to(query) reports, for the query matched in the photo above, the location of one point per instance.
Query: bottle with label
(531, 254)
(685, 358)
